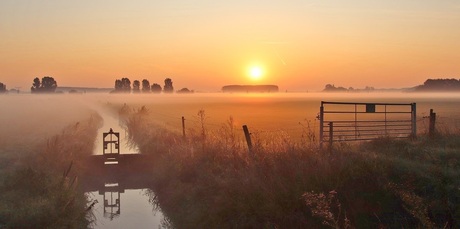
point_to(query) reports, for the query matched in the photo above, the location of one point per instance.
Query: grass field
(211, 180)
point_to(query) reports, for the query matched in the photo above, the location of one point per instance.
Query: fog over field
(27, 120)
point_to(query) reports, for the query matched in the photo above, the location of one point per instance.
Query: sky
(299, 45)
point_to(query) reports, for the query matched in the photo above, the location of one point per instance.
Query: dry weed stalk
(322, 206)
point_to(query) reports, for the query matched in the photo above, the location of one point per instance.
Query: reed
(42, 191)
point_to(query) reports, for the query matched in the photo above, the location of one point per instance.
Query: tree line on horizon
(49, 85)
(123, 85)
(45, 85)
(430, 85)
(439, 85)
(333, 88)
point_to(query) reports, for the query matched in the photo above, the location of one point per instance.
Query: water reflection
(121, 192)
(112, 206)
(137, 211)
(121, 197)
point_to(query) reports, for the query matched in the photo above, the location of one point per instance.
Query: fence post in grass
(432, 127)
(321, 125)
(331, 134)
(248, 139)
(414, 120)
(183, 127)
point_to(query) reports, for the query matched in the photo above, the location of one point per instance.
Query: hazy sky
(205, 44)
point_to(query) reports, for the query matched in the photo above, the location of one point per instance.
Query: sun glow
(255, 72)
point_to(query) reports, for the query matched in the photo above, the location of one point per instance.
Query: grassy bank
(208, 180)
(41, 191)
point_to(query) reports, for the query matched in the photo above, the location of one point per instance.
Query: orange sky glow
(203, 45)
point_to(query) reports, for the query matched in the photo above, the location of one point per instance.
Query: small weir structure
(111, 147)
(119, 183)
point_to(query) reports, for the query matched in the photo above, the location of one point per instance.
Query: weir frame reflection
(112, 200)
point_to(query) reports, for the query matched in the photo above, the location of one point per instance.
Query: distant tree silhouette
(126, 85)
(35, 85)
(367, 88)
(136, 86)
(168, 88)
(184, 91)
(47, 85)
(439, 85)
(332, 88)
(118, 86)
(156, 88)
(122, 86)
(2, 88)
(145, 86)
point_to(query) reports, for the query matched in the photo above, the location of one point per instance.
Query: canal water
(117, 207)
(133, 210)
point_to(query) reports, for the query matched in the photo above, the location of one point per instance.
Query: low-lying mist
(27, 119)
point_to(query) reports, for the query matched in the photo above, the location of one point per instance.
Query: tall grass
(42, 192)
(208, 180)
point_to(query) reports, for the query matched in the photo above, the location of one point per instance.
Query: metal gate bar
(348, 121)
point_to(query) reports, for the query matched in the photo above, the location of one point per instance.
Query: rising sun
(255, 72)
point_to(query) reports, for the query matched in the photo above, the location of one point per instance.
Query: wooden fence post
(248, 139)
(414, 120)
(331, 134)
(321, 125)
(183, 127)
(432, 127)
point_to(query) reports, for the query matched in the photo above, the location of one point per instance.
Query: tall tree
(36, 85)
(156, 88)
(2, 88)
(145, 86)
(118, 86)
(136, 86)
(126, 85)
(168, 88)
(47, 85)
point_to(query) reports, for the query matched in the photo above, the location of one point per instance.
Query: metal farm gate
(344, 121)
